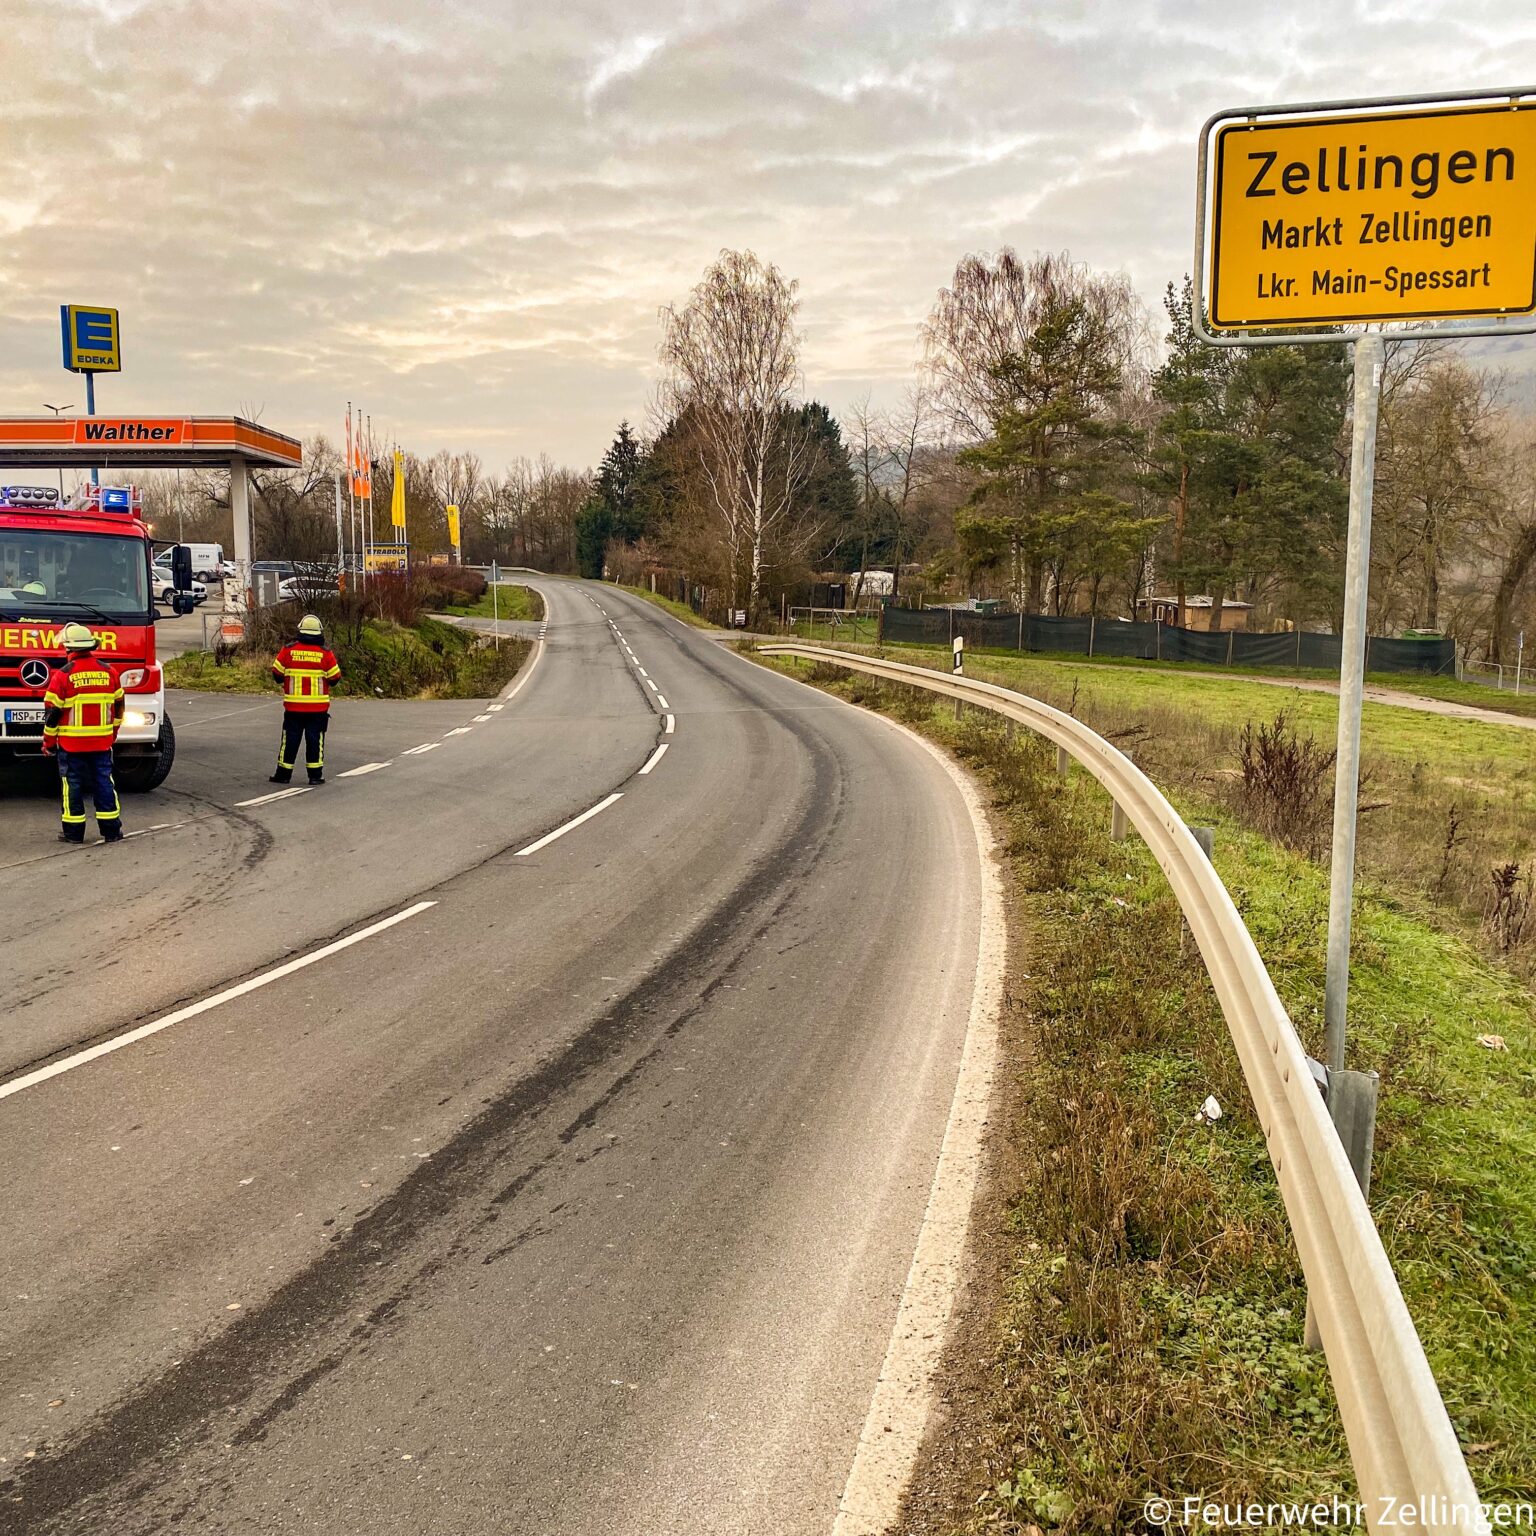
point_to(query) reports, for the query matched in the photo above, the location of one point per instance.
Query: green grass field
(1149, 1336)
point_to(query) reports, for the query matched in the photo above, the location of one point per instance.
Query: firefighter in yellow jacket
(82, 711)
(306, 667)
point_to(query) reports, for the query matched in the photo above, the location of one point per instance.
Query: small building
(1198, 612)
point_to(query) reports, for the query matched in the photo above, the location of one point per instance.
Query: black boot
(280, 778)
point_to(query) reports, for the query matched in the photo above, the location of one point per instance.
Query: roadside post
(958, 666)
(1387, 218)
(1519, 660)
(495, 604)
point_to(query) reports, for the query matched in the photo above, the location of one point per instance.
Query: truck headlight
(132, 677)
(138, 717)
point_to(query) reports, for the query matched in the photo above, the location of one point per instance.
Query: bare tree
(895, 457)
(989, 315)
(731, 355)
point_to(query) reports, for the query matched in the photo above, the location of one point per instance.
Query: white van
(207, 561)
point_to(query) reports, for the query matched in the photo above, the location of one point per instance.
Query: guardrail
(1400, 1436)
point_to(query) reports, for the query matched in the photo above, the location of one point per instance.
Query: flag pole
(351, 485)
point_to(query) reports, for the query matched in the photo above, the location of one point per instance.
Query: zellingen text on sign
(1375, 217)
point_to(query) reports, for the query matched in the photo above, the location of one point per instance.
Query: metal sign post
(1369, 358)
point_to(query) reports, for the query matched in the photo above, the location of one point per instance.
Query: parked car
(165, 588)
(307, 584)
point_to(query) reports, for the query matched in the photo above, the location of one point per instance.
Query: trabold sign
(91, 341)
(1365, 216)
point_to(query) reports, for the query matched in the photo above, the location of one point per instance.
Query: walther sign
(1374, 216)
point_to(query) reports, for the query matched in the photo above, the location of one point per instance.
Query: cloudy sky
(466, 213)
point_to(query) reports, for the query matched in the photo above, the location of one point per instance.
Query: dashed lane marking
(655, 758)
(480, 718)
(671, 724)
(181, 1015)
(458, 730)
(362, 768)
(426, 746)
(570, 826)
(278, 794)
(660, 700)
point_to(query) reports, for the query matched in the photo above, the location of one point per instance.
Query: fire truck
(87, 559)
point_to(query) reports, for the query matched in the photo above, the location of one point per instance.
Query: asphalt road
(578, 1200)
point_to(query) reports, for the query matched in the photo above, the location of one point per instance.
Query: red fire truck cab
(87, 561)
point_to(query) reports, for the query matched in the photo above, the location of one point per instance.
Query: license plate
(24, 716)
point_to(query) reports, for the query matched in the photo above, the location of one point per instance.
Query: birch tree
(731, 361)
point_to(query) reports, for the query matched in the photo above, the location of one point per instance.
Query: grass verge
(1149, 1339)
(670, 605)
(512, 602)
(427, 660)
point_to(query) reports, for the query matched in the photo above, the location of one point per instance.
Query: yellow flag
(453, 526)
(397, 495)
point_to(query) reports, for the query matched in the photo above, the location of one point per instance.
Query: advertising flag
(453, 525)
(397, 494)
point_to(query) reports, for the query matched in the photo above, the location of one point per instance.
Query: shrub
(450, 586)
(1286, 787)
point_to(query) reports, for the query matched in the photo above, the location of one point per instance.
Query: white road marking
(353, 773)
(495, 709)
(656, 757)
(671, 724)
(652, 686)
(662, 702)
(574, 822)
(642, 671)
(458, 730)
(277, 794)
(426, 746)
(480, 718)
(527, 672)
(144, 1031)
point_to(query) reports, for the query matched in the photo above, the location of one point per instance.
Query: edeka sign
(1409, 215)
(91, 342)
(135, 429)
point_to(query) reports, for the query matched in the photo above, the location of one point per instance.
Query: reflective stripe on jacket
(306, 673)
(83, 706)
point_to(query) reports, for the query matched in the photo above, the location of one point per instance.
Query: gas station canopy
(143, 442)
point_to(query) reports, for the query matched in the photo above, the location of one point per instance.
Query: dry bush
(1286, 786)
(1506, 917)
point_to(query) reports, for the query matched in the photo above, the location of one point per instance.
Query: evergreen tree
(617, 478)
(594, 528)
(1047, 471)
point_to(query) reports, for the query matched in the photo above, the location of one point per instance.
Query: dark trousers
(308, 726)
(89, 773)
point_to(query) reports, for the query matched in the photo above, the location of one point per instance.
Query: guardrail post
(1063, 761)
(1352, 1106)
(1206, 837)
(1119, 822)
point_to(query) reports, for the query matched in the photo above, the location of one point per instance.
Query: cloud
(467, 215)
